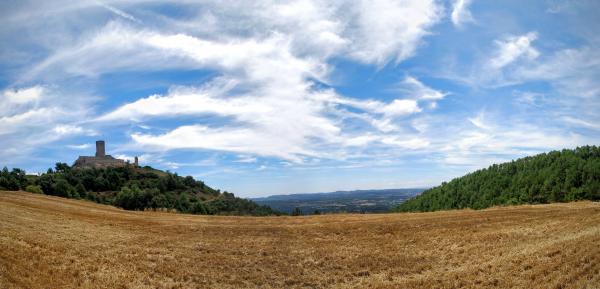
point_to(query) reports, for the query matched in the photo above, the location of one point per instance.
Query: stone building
(101, 159)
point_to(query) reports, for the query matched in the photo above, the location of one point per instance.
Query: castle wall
(98, 162)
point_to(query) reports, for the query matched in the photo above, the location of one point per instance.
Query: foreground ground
(50, 242)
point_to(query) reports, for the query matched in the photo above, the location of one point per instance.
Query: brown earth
(50, 242)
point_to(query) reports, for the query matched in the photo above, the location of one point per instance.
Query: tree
(131, 198)
(12, 180)
(557, 176)
(160, 201)
(297, 212)
(132, 189)
(63, 188)
(183, 203)
(46, 182)
(62, 167)
(199, 208)
(80, 189)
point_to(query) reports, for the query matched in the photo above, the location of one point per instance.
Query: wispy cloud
(581, 123)
(119, 12)
(415, 89)
(390, 30)
(514, 47)
(80, 146)
(23, 95)
(34, 116)
(460, 12)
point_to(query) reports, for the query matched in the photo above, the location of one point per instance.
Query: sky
(277, 97)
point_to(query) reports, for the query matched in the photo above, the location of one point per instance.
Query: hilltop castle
(101, 159)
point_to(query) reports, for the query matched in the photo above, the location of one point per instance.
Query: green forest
(557, 176)
(133, 188)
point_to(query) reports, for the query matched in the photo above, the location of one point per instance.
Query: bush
(34, 189)
(131, 198)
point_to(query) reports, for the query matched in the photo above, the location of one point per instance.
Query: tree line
(557, 176)
(133, 188)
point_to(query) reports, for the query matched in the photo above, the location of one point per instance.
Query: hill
(50, 242)
(557, 176)
(359, 201)
(133, 188)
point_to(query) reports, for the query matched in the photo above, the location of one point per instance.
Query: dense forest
(133, 188)
(557, 176)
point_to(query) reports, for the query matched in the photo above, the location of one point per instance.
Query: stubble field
(50, 242)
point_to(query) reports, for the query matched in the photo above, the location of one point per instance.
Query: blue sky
(274, 97)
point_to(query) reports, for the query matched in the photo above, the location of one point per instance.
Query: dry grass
(48, 242)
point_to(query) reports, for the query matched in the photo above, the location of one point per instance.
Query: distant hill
(133, 188)
(360, 201)
(557, 176)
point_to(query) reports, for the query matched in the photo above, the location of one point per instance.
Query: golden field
(51, 242)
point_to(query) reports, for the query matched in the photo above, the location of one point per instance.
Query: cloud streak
(512, 48)
(460, 12)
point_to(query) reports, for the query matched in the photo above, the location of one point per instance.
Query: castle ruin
(101, 159)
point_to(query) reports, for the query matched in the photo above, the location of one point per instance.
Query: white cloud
(69, 129)
(416, 89)
(315, 27)
(266, 125)
(529, 98)
(512, 48)
(238, 140)
(265, 90)
(486, 139)
(573, 74)
(22, 96)
(266, 87)
(33, 117)
(390, 30)
(400, 107)
(397, 107)
(80, 146)
(36, 115)
(407, 143)
(246, 159)
(581, 123)
(460, 12)
(574, 71)
(371, 31)
(261, 168)
(479, 121)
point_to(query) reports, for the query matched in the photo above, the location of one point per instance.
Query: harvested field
(50, 242)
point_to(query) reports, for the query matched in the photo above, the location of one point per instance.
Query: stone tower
(100, 149)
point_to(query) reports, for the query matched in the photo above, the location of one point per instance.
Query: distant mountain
(557, 176)
(361, 201)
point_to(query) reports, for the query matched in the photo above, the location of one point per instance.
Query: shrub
(34, 189)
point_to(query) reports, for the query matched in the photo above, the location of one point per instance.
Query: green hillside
(133, 188)
(557, 176)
